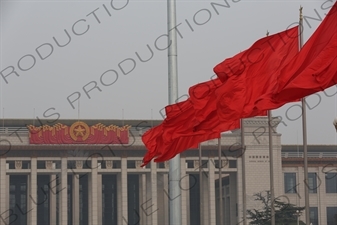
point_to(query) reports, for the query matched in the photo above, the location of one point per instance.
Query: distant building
(62, 173)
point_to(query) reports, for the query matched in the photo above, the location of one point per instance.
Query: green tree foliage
(285, 213)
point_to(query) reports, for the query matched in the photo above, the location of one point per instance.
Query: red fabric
(195, 120)
(246, 79)
(203, 100)
(313, 69)
(180, 130)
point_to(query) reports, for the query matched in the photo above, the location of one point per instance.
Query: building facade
(80, 177)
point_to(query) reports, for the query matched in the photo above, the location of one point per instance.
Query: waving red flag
(245, 80)
(313, 69)
(181, 130)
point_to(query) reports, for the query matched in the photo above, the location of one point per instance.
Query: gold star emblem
(79, 131)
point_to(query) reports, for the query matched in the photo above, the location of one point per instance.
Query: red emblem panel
(78, 133)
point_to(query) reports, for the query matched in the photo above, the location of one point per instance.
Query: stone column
(4, 220)
(122, 192)
(32, 198)
(154, 208)
(183, 190)
(239, 190)
(211, 191)
(166, 199)
(142, 197)
(52, 199)
(76, 199)
(99, 199)
(63, 193)
(233, 196)
(93, 179)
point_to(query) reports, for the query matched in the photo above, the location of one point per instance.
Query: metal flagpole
(34, 117)
(271, 163)
(200, 187)
(304, 124)
(271, 168)
(174, 170)
(243, 146)
(220, 182)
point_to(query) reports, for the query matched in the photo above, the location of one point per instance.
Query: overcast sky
(108, 56)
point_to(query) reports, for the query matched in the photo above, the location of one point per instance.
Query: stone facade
(104, 184)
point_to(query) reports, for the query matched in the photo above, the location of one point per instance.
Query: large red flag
(313, 69)
(175, 134)
(180, 130)
(245, 80)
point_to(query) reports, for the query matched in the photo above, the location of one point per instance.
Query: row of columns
(149, 210)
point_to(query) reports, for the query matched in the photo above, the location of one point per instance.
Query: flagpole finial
(301, 14)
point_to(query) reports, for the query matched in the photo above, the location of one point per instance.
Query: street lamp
(298, 214)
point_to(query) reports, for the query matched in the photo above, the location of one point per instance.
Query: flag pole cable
(174, 164)
(304, 127)
(220, 182)
(271, 168)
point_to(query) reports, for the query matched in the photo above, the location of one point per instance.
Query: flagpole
(200, 186)
(304, 127)
(271, 168)
(174, 170)
(243, 146)
(220, 182)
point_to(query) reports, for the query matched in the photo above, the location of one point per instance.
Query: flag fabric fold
(313, 69)
(269, 74)
(179, 131)
(246, 83)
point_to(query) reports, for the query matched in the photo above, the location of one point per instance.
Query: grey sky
(119, 29)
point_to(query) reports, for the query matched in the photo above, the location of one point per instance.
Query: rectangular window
(331, 182)
(290, 183)
(331, 215)
(312, 182)
(313, 213)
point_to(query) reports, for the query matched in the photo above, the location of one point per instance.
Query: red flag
(245, 80)
(180, 130)
(313, 69)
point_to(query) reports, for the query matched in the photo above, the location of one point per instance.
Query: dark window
(312, 182)
(70, 199)
(42, 203)
(109, 199)
(331, 182)
(313, 213)
(194, 192)
(290, 183)
(133, 199)
(83, 199)
(18, 199)
(331, 215)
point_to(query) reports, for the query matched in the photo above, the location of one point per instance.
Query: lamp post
(298, 214)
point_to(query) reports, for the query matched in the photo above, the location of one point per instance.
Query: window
(290, 183)
(313, 214)
(331, 182)
(312, 182)
(331, 215)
